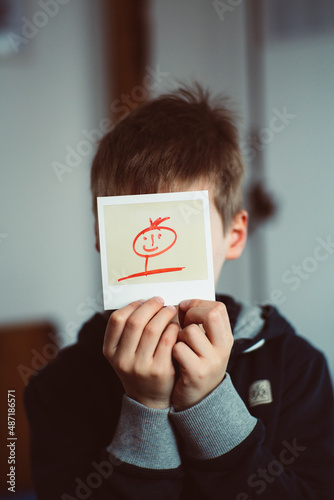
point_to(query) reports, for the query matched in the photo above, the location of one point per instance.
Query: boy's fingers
(116, 325)
(185, 305)
(136, 323)
(152, 333)
(163, 353)
(196, 339)
(213, 316)
(187, 359)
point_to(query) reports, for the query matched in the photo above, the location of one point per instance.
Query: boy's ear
(97, 238)
(237, 235)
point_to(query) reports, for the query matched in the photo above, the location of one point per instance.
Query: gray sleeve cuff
(215, 425)
(144, 437)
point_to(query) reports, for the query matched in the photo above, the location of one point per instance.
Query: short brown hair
(175, 139)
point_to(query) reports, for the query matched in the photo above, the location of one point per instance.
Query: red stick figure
(152, 241)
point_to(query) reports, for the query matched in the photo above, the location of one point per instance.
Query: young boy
(210, 400)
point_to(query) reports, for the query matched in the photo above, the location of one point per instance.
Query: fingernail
(184, 304)
(141, 301)
(172, 308)
(159, 299)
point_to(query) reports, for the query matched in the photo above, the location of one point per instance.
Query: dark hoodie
(266, 432)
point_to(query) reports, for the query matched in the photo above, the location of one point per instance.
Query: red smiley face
(154, 240)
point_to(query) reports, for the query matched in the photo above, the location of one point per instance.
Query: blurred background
(68, 68)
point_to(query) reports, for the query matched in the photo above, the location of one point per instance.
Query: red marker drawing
(152, 241)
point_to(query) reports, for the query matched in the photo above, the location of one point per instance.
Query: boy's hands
(138, 344)
(202, 357)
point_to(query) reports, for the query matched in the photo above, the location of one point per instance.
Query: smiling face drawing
(150, 242)
(154, 240)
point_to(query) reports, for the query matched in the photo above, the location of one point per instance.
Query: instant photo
(156, 244)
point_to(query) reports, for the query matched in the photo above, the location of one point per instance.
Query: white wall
(299, 76)
(50, 91)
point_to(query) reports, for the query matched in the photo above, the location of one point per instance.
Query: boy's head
(180, 141)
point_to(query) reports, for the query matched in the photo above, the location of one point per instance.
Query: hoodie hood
(252, 326)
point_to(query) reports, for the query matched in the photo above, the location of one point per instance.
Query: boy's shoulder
(76, 370)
